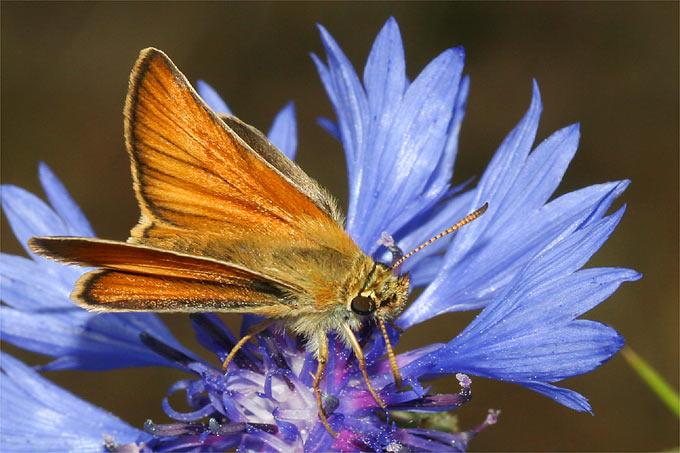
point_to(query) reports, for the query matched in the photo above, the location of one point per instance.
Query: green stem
(653, 379)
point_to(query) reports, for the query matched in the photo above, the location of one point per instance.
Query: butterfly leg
(323, 358)
(362, 363)
(257, 328)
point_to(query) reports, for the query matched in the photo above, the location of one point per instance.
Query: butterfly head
(382, 293)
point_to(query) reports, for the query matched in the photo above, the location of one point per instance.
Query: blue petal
(569, 252)
(486, 254)
(438, 182)
(487, 269)
(498, 178)
(29, 216)
(212, 98)
(573, 294)
(571, 399)
(432, 440)
(553, 264)
(283, 133)
(63, 204)
(400, 140)
(27, 285)
(454, 130)
(385, 82)
(329, 126)
(396, 180)
(82, 340)
(534, 354)
(529, 335)
(40, 416)
(385, 74)
(349, 100)
(538, 179)
(427, 225)
(37, 294)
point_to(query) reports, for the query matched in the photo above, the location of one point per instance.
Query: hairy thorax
(335, 306)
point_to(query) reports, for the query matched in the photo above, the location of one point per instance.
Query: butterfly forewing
(266, 150)
(193, 173)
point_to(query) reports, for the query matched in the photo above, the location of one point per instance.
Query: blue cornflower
(38, 415)
(521, 261)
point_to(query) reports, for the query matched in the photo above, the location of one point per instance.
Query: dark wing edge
(139, 278)
(260, 144)
(106, 290)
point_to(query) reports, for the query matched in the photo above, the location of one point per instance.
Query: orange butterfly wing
(220, 207)
(106, 290)
(143, 278)
(193, 174)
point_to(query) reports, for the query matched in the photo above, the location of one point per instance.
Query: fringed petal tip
(212, 98)
(283, 132)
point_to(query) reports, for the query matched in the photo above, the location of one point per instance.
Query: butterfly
(228, 223)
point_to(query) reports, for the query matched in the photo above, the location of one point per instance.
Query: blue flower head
(521, 263)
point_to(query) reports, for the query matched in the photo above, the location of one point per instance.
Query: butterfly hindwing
(135, 277)
(108, 290)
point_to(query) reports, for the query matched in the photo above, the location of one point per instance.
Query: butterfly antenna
(390, 352)
(467, 219)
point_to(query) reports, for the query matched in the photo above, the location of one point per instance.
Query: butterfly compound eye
(363, 305)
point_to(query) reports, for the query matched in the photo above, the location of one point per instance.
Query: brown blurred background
(611, 66)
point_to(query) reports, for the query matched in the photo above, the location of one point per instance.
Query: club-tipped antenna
(465, 220)
(390, 351)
